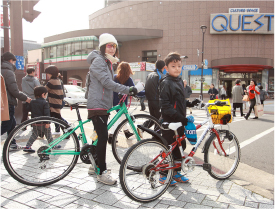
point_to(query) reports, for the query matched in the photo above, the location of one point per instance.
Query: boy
(173, 107)
(39, 107)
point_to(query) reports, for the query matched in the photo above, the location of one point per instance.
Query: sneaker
(16, 147)
(56, 133)
(255, 118)
(91, 170)
(180, 178)
(163, 179)
(128, 134)
(140, 132)
(106, 178)
(28, 149)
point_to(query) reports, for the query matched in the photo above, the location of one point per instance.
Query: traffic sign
(19, 62)
(205, 62)
(189, 67)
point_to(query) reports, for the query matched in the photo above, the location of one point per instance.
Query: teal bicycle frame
(122, 110)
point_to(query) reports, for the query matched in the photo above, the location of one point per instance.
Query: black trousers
(100, 126)
(9, 125)
(237, 105)
(252, 105)
(223, 96)
(25, 112)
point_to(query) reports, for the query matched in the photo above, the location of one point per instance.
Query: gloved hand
(184, 121)
(195, 102)
(133, 91)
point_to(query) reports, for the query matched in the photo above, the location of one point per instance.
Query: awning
(198, 71)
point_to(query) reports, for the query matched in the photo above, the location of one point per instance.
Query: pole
(203, 28)
(6, 26)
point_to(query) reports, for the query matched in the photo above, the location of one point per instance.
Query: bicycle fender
(156, 135)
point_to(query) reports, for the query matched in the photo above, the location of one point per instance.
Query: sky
(59, 16)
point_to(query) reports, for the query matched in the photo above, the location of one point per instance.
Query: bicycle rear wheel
(32, 167)
(222, 167)
(143, 185)
(124, 137)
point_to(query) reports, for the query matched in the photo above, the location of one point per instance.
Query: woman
(122, 77)
(237, 97)
(254, 95)
(100, 97)
(223, 93)
(263, 95)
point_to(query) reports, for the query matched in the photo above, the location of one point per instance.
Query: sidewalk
(79, 190)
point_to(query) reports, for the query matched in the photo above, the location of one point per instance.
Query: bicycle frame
(122, 110)
(163, 167)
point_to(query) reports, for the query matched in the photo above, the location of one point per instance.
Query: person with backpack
(100, 98)
(7, 69)
(152, 88)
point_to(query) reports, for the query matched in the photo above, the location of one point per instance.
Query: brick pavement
(79, 190)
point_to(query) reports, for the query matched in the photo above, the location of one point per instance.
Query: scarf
(238, 84)
(111, 58)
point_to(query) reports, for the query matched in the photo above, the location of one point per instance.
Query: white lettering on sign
(244, 10)
(190, 131)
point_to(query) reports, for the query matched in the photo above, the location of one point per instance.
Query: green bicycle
(55, 157)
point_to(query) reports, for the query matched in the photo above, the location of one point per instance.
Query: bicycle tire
(26, 167)
(222, 167)
(120, 144)
(137, 185)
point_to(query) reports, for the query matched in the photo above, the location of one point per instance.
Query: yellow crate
(220, 114)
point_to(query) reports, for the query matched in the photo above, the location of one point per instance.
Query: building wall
(180, 22)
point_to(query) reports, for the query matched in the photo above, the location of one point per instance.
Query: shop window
(47, 53)
(271, 84)
(60, 50)
(87, 47)
(149, 56)
(76, 48)
(53, 51)
(67, 49)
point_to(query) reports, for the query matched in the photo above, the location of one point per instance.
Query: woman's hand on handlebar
(133, 91)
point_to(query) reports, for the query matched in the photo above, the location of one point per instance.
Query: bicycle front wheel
(222, 166)
(124, 136)
(144, 185)
(32, 166)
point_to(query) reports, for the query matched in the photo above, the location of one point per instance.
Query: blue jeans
(9, 125)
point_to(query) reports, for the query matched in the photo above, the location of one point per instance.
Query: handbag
(246, 98)
(259, 110)
(4, 102)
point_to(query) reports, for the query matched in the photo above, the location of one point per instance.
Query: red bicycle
(153, 157)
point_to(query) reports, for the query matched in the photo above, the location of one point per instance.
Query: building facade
(238, 42)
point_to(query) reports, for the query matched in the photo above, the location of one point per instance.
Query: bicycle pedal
(206, 166)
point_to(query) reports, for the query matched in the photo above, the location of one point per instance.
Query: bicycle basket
(220, 114)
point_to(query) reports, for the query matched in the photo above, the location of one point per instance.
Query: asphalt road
(256, 139)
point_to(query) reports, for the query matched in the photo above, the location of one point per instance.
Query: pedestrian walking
(39, 107)
(100, 98)
(254, 96)
(223, 92)
(263, 95)
(141, 96)
(7, 69)
(152, 89)
(187, 91)
(237, 97)
(55, 93)
(212, 92)
(29, 82)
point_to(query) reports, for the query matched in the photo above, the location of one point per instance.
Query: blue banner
(19, 62)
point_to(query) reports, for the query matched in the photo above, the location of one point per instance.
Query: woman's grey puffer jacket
(101, 86)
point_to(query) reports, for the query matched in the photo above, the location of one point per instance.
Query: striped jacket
(55, 95)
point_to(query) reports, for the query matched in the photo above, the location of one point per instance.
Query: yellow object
(94, 136)
(218, 112)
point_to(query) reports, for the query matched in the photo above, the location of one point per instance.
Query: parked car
(74, 94)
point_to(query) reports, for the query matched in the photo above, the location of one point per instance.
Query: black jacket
(38, 107)
(152, 85)
(172, 99)
(213, 91)
(13, 93)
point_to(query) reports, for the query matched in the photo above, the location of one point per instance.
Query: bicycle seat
(174, 126)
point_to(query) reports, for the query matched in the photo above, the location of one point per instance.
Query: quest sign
(242, 21)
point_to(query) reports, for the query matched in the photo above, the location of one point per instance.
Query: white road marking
(252, 139)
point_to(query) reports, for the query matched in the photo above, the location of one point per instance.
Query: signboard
(2, 21)
(75, 82)
(189, 67)
(44, 76)
(228, 23)
(19, 62)
(243, 10)
(38, 70)
(142, 66)
(150, 66)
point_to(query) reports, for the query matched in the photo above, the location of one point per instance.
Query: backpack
(88, 81)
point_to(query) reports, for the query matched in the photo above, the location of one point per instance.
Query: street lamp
(203, 29)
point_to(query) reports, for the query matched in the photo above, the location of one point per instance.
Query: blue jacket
(129, 82)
